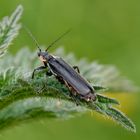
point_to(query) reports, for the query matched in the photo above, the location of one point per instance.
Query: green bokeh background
(107, 31)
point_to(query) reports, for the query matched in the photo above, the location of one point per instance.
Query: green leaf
(22, 98)
(106, 100)
(9, 28)
(121, 118)
(26, 99)
(36, 108)
(98, 88)
(116, 115)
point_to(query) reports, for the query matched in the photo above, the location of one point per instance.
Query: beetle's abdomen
(64, 70)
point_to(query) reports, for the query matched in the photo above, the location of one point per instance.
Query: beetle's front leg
(38, 69)
(76, 68)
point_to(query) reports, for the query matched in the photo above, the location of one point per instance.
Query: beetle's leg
(41, 90)
(38, 69)
(70, 88)
(60, 79)
(49, 73)
(71, 93)
(76, 68)
(89, 97)
(74, 98)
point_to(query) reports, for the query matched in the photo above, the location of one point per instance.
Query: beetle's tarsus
(73, 97)
(76, 68)
(41, 90)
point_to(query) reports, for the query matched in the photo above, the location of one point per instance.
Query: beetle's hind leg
(72, 93)
(75, 98)
(89, 97)
(76, 68)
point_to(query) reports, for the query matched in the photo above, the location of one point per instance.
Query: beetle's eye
(38, 54)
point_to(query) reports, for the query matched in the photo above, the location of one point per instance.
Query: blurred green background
(107, 31)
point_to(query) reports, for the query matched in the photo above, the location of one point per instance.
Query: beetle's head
(43, 56)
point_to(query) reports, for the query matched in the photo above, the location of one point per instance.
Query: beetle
(66, 74)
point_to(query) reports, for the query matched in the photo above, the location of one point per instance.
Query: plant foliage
(9, 28)
(22, 98)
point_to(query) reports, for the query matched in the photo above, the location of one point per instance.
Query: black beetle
(77, 85)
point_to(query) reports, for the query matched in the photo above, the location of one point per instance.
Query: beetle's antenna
(31, 35)
(58, 39)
